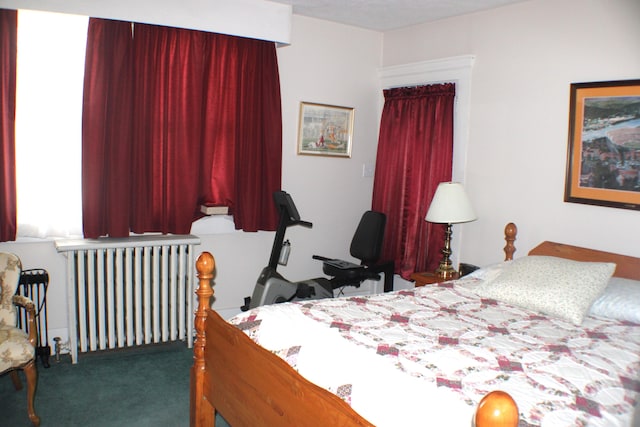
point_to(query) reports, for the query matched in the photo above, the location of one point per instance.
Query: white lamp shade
(450, 205)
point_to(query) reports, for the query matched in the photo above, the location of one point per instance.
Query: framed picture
(603, 159)
(325, 130)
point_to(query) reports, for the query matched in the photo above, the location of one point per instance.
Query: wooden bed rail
(199, 415)
(510, 231)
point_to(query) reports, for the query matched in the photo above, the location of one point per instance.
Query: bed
(379, 360)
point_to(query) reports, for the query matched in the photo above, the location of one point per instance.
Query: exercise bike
(272, 287)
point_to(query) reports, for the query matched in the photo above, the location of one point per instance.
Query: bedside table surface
(428, 277)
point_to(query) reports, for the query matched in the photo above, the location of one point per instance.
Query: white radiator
(129, 292)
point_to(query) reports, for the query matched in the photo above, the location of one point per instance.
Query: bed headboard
(626, 266)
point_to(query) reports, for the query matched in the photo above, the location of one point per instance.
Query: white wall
(526, 56)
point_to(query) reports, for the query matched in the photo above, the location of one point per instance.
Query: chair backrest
(366, 244)
(10, 268)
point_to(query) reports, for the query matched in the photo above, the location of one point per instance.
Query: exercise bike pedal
(247, 304)
(304, 291)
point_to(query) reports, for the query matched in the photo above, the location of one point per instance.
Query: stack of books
(210, 209)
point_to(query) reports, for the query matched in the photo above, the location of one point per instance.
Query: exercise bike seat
(366, 246)
(338, 267)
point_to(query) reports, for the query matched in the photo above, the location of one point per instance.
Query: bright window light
(50, 74)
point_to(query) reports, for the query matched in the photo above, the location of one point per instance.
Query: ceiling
(384, 15)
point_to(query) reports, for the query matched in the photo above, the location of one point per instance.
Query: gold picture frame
(603, 158)
(325, 130)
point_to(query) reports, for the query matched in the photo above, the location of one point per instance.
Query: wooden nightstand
(427, 278)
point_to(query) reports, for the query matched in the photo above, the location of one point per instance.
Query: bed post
(510, 232)
(199, 415)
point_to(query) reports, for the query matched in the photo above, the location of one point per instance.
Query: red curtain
(167, 123)
(415, 153)
(8, 55)
(243, 131)
(106, 129)
(205, 128)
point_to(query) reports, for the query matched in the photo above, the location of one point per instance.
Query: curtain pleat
(244, 130)
(415, 153)
(106, 129)
(8, 57)
(168, 64)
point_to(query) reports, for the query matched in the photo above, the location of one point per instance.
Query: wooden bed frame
(249, 386)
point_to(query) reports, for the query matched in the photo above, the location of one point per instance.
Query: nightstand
(428, 278)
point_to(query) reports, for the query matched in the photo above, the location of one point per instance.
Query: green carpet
(147, 386)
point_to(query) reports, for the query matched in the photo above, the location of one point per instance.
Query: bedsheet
(426, 356)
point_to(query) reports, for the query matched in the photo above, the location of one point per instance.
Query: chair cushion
(9, 277)
(15, 348)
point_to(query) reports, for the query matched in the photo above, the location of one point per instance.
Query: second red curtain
(415, 153)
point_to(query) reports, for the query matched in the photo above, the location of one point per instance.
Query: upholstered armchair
(17, 349)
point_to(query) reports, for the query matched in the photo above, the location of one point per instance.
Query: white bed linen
(427, 356)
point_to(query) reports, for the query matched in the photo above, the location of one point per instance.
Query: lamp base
(446, 272)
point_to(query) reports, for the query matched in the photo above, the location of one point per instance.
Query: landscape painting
(604, 144)
(325, 130)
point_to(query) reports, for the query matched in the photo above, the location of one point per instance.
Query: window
(49, 120)
(50, 70)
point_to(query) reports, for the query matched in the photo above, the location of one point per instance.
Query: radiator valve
(57, 348)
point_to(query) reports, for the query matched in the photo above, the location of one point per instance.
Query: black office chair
(366, 246)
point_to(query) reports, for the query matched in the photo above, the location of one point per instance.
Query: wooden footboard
(248, 385)
(253, 387)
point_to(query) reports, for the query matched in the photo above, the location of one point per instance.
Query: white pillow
(554, 286)
(620, 301)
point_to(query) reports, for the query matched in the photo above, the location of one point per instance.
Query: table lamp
(450, 205)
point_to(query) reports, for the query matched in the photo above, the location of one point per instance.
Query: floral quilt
(426, 356)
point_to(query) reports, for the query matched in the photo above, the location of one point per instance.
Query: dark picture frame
(603, 157)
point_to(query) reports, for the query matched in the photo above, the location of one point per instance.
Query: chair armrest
(24, 302)
(30, 307)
